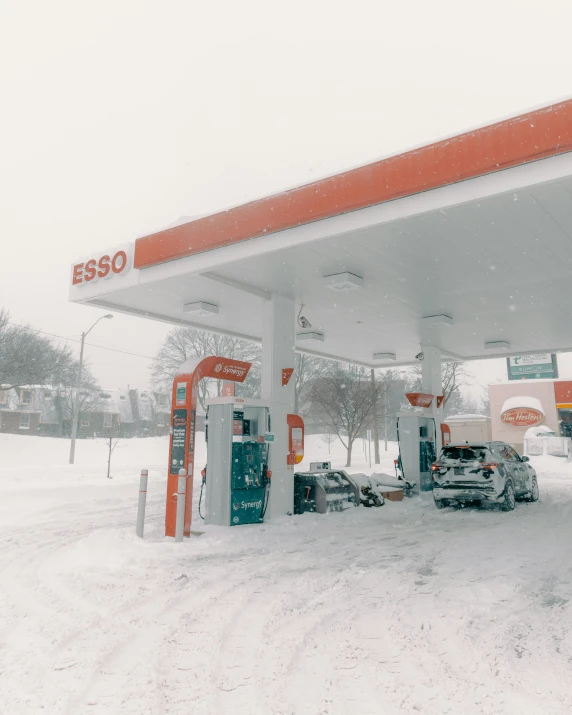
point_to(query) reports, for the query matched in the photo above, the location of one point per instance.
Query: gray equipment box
(320, 467)
(323, 491)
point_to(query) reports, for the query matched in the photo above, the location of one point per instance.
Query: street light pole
(374, 387)
(75, 412)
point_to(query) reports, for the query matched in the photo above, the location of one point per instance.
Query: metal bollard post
(142, 502)
(181, 493)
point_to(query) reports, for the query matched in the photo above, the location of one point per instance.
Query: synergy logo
(224, 369)
(251, 504)
(232, 370)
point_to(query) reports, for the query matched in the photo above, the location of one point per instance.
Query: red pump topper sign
(183, 425)
(295, 439)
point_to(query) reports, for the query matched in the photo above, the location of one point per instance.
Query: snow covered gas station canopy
(476, 229)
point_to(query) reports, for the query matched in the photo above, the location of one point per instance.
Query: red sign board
(445, 434)
(522, 417)
(227, 389)
(287, 373)
(419, 399)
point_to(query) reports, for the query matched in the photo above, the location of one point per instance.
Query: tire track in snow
(141, 644)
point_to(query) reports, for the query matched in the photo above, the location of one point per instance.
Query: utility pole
(376, 420)
(75, 412)
(386, 400)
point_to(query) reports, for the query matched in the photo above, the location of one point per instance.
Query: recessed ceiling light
(499, 346)
(384, 357)
(200, 308)
(311, 337)
(343, 282)
(437, 321)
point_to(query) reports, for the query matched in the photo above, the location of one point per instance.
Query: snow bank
(401, 609)
(538, 431)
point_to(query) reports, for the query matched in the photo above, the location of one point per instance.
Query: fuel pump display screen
(181, 393)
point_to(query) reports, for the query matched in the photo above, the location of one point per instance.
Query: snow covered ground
(402, 609)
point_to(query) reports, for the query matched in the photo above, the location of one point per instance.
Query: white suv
(486, 472)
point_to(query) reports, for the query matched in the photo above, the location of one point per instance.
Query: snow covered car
(486, 472)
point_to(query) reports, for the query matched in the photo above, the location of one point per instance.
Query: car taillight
(436, 467)
(489, 465)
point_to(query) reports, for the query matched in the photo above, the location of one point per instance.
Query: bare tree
(182, 344)
(27, 358)
(111, 441)
(329, 439)
(307, 368)
(454, 375)
(345, 403)
(89, 394)
(471, 405)
(485, 402)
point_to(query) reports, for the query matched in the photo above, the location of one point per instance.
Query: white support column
(278, 353)
(432, 383)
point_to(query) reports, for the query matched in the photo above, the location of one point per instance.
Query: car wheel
(509, 500)
(534, 493)
(441, 503)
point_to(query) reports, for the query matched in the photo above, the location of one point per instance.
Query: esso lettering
(119, 262)
(106, 266)
(103, 266)
(90, 270)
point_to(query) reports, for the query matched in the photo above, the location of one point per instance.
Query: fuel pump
(237, 479)
(417, 447)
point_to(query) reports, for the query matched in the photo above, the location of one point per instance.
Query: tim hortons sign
(522, 417)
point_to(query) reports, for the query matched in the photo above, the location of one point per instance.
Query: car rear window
(468, 453)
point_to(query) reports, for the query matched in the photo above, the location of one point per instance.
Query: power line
(74, 340)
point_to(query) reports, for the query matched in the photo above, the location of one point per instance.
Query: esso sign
(114, 263)
(522, 417)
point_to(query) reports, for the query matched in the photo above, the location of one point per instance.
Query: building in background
(518, 405)
(46, 411)
(469, 428)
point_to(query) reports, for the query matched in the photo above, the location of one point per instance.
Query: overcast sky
(118, 117)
